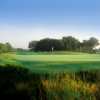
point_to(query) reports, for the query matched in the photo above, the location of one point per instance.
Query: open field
(48, 61)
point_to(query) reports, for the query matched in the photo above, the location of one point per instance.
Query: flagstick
(52, 51)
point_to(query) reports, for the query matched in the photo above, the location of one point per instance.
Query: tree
(47, 44)
(84, 45)
(32, 45)
(8, 45)
(3, 48)
(92, 42)
(70, 43)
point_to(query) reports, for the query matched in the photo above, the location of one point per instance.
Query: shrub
(10, 76)
(14, 72)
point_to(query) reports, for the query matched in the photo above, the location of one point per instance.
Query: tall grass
(18, 83)
(68, 86)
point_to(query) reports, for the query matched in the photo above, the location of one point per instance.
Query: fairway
(56, 61)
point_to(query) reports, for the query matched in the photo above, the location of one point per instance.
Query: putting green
(57, 58)
(48, 61)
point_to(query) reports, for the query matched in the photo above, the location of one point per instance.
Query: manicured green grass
(53, 61)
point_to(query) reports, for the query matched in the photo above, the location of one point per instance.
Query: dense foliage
(68, 43)
(32, 45)
(47, 44)
(10, 76)
(5, 47)
(13, 71)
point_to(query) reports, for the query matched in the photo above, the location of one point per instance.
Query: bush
(10, 76)
(14, 71)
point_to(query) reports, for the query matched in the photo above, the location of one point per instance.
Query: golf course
(57, 75)
(52, 61)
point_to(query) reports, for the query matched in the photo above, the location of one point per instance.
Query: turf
(48, 61)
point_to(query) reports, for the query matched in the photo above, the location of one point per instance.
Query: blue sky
(24, 20)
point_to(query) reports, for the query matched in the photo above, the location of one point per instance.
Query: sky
(22, 21)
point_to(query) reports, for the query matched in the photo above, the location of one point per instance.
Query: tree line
(67, 43)
(5, 47)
